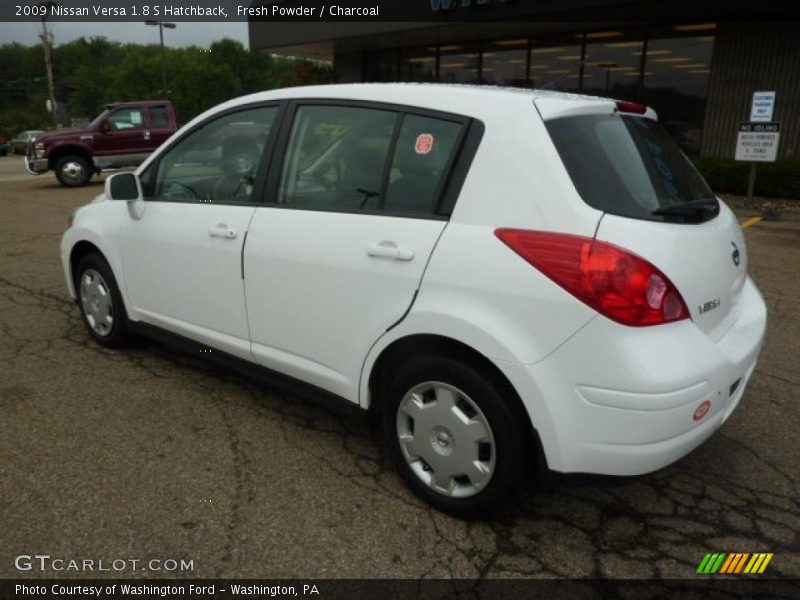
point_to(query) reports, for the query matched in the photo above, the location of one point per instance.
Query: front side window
(126, 118)
(216, 163)
(336, 158)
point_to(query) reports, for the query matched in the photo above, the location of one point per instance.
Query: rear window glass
(626, 165)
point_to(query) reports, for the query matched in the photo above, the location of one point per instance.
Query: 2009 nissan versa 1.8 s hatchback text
(498, 275)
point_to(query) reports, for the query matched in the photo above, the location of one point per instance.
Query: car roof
(442, 90)
(471, 100)
(142, 103)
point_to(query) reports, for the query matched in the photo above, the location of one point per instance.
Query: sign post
(751, 182)
(758, 138)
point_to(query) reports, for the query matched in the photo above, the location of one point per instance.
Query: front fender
(97, 224)
(60, 148)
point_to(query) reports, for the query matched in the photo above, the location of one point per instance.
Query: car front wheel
(100, 302)
(454, 436)
(73, 171)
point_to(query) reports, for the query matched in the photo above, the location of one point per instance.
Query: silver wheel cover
(446, 439)
(72, 171)
(98, 307)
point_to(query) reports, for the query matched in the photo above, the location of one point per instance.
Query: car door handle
(221, 230)
(388, 249)
(147, 135)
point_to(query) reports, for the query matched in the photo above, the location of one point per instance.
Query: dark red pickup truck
(122, 136)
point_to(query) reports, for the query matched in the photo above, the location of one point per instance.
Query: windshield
(628, 166)
(99, 119)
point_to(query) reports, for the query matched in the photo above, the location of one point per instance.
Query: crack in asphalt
(728, 496)
(778, 377)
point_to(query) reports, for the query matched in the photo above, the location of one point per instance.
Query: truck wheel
(73, 170)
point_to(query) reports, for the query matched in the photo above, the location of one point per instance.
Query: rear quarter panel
(475, 289)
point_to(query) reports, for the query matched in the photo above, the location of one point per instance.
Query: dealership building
(696, 63)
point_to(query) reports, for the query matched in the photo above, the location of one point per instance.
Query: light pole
(47, 45)
(161, 25)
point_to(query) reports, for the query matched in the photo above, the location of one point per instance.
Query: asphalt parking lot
(146, 454)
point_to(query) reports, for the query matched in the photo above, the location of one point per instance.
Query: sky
(186, 34)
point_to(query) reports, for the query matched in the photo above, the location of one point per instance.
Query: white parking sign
(762, 106)
(758, 142)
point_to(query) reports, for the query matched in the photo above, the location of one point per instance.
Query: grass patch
(780, 179)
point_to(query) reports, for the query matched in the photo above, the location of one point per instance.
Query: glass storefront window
(418, 64)
(667, 68)
(675, 80)
(505, 62)
(556, 63)
(459, 64)
(381, 65)
(612, 68)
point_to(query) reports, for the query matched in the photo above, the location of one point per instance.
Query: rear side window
(424, 150)
(159, 117)
(357, 159)
(336, 158)
(626, 165)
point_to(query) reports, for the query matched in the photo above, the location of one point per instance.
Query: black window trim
(387, 167)
(264, 164)
(460, 167)
(448, 189)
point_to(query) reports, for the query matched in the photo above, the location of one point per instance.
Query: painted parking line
(752, 221)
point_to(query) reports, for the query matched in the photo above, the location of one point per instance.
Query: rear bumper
(619, 400)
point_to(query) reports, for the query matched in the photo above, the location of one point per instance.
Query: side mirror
(105, 127)
(127, 187)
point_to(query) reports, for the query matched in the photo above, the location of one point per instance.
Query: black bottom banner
(350, 589)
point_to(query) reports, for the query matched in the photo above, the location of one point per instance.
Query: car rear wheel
(100, 302)
(73, 171)
(454, 436)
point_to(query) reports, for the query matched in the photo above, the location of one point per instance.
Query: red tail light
(615, 282)
(631, 107)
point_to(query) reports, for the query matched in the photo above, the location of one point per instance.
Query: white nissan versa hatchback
(500, 276)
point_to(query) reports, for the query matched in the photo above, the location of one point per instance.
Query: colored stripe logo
(734, 563)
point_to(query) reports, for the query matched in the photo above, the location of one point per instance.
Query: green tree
(91, 72)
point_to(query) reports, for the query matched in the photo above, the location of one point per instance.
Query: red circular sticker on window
(424, 143)
(702, 410)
